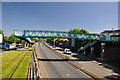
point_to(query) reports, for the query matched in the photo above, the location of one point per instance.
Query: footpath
(92, 67)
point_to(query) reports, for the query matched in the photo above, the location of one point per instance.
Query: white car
(67, 51)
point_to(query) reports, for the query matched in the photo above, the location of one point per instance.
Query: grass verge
(15, 63)
(92, 75)
(21, 71)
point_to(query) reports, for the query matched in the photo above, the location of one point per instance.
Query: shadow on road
(59, 49)
(113, 77)
(60, 59)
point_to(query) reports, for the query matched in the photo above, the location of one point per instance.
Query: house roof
(110, 31)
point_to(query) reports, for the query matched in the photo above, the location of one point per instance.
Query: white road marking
(67, 74)
(83, 73)
(78, 69)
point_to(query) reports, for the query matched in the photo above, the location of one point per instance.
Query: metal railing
(58, 34)
(33, 70)
(87, 45)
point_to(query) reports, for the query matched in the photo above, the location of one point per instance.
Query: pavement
(57, 68)
(105, 71)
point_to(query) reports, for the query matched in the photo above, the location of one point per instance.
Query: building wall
(112, 54)
(108, 36)
(0, 38)
(119, 15)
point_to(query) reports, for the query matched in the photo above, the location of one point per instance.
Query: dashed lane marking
(67, 74)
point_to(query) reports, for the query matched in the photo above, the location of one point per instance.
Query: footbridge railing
(58, 34)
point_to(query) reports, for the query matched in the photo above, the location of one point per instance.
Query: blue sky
(61, 16)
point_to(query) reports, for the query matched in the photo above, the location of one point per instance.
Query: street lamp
(102, 50)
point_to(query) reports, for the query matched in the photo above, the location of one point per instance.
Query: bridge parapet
(58, 34)
(18, 33)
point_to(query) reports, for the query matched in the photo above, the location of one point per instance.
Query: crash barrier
(34, 72)
(74, 62)
(40, 71)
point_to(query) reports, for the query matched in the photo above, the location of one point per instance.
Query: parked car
(67, 51)
(5, 46)
(50, 44)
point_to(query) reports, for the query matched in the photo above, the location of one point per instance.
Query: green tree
(35, 39)
(117, 42)
(79, 43)
(12, 39)
(1, 32)
(5, 39)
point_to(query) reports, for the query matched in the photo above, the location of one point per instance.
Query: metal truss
(58, 34)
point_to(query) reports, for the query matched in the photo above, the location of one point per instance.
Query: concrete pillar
(92, 49)
(102, 50)
(54, 43)
(28, 45)
(23, 43)
(73, 44)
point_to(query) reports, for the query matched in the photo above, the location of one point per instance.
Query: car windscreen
(67, 50)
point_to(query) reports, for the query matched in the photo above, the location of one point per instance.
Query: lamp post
(102, 51)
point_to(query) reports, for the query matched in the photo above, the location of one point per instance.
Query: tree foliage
(11, 39)
(79, 30)
(79, 43)
(35, 39)
(117, 42)
(1, 32)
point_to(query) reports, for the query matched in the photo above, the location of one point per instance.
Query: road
(56, 67)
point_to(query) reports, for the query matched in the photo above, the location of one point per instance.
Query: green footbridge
(58, 34)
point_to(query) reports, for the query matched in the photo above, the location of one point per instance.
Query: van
(67, 51)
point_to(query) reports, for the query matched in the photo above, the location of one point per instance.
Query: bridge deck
(58, 34)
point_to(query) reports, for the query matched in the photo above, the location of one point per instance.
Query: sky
(95, 17)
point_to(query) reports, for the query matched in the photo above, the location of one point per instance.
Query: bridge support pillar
(23, 43)
(54, 43)
(92, 49)
(73, 44)
(102, 51)
(26, 45)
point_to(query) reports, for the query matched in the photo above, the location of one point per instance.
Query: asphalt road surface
(57, 68)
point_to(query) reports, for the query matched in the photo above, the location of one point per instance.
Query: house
(111, 34)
